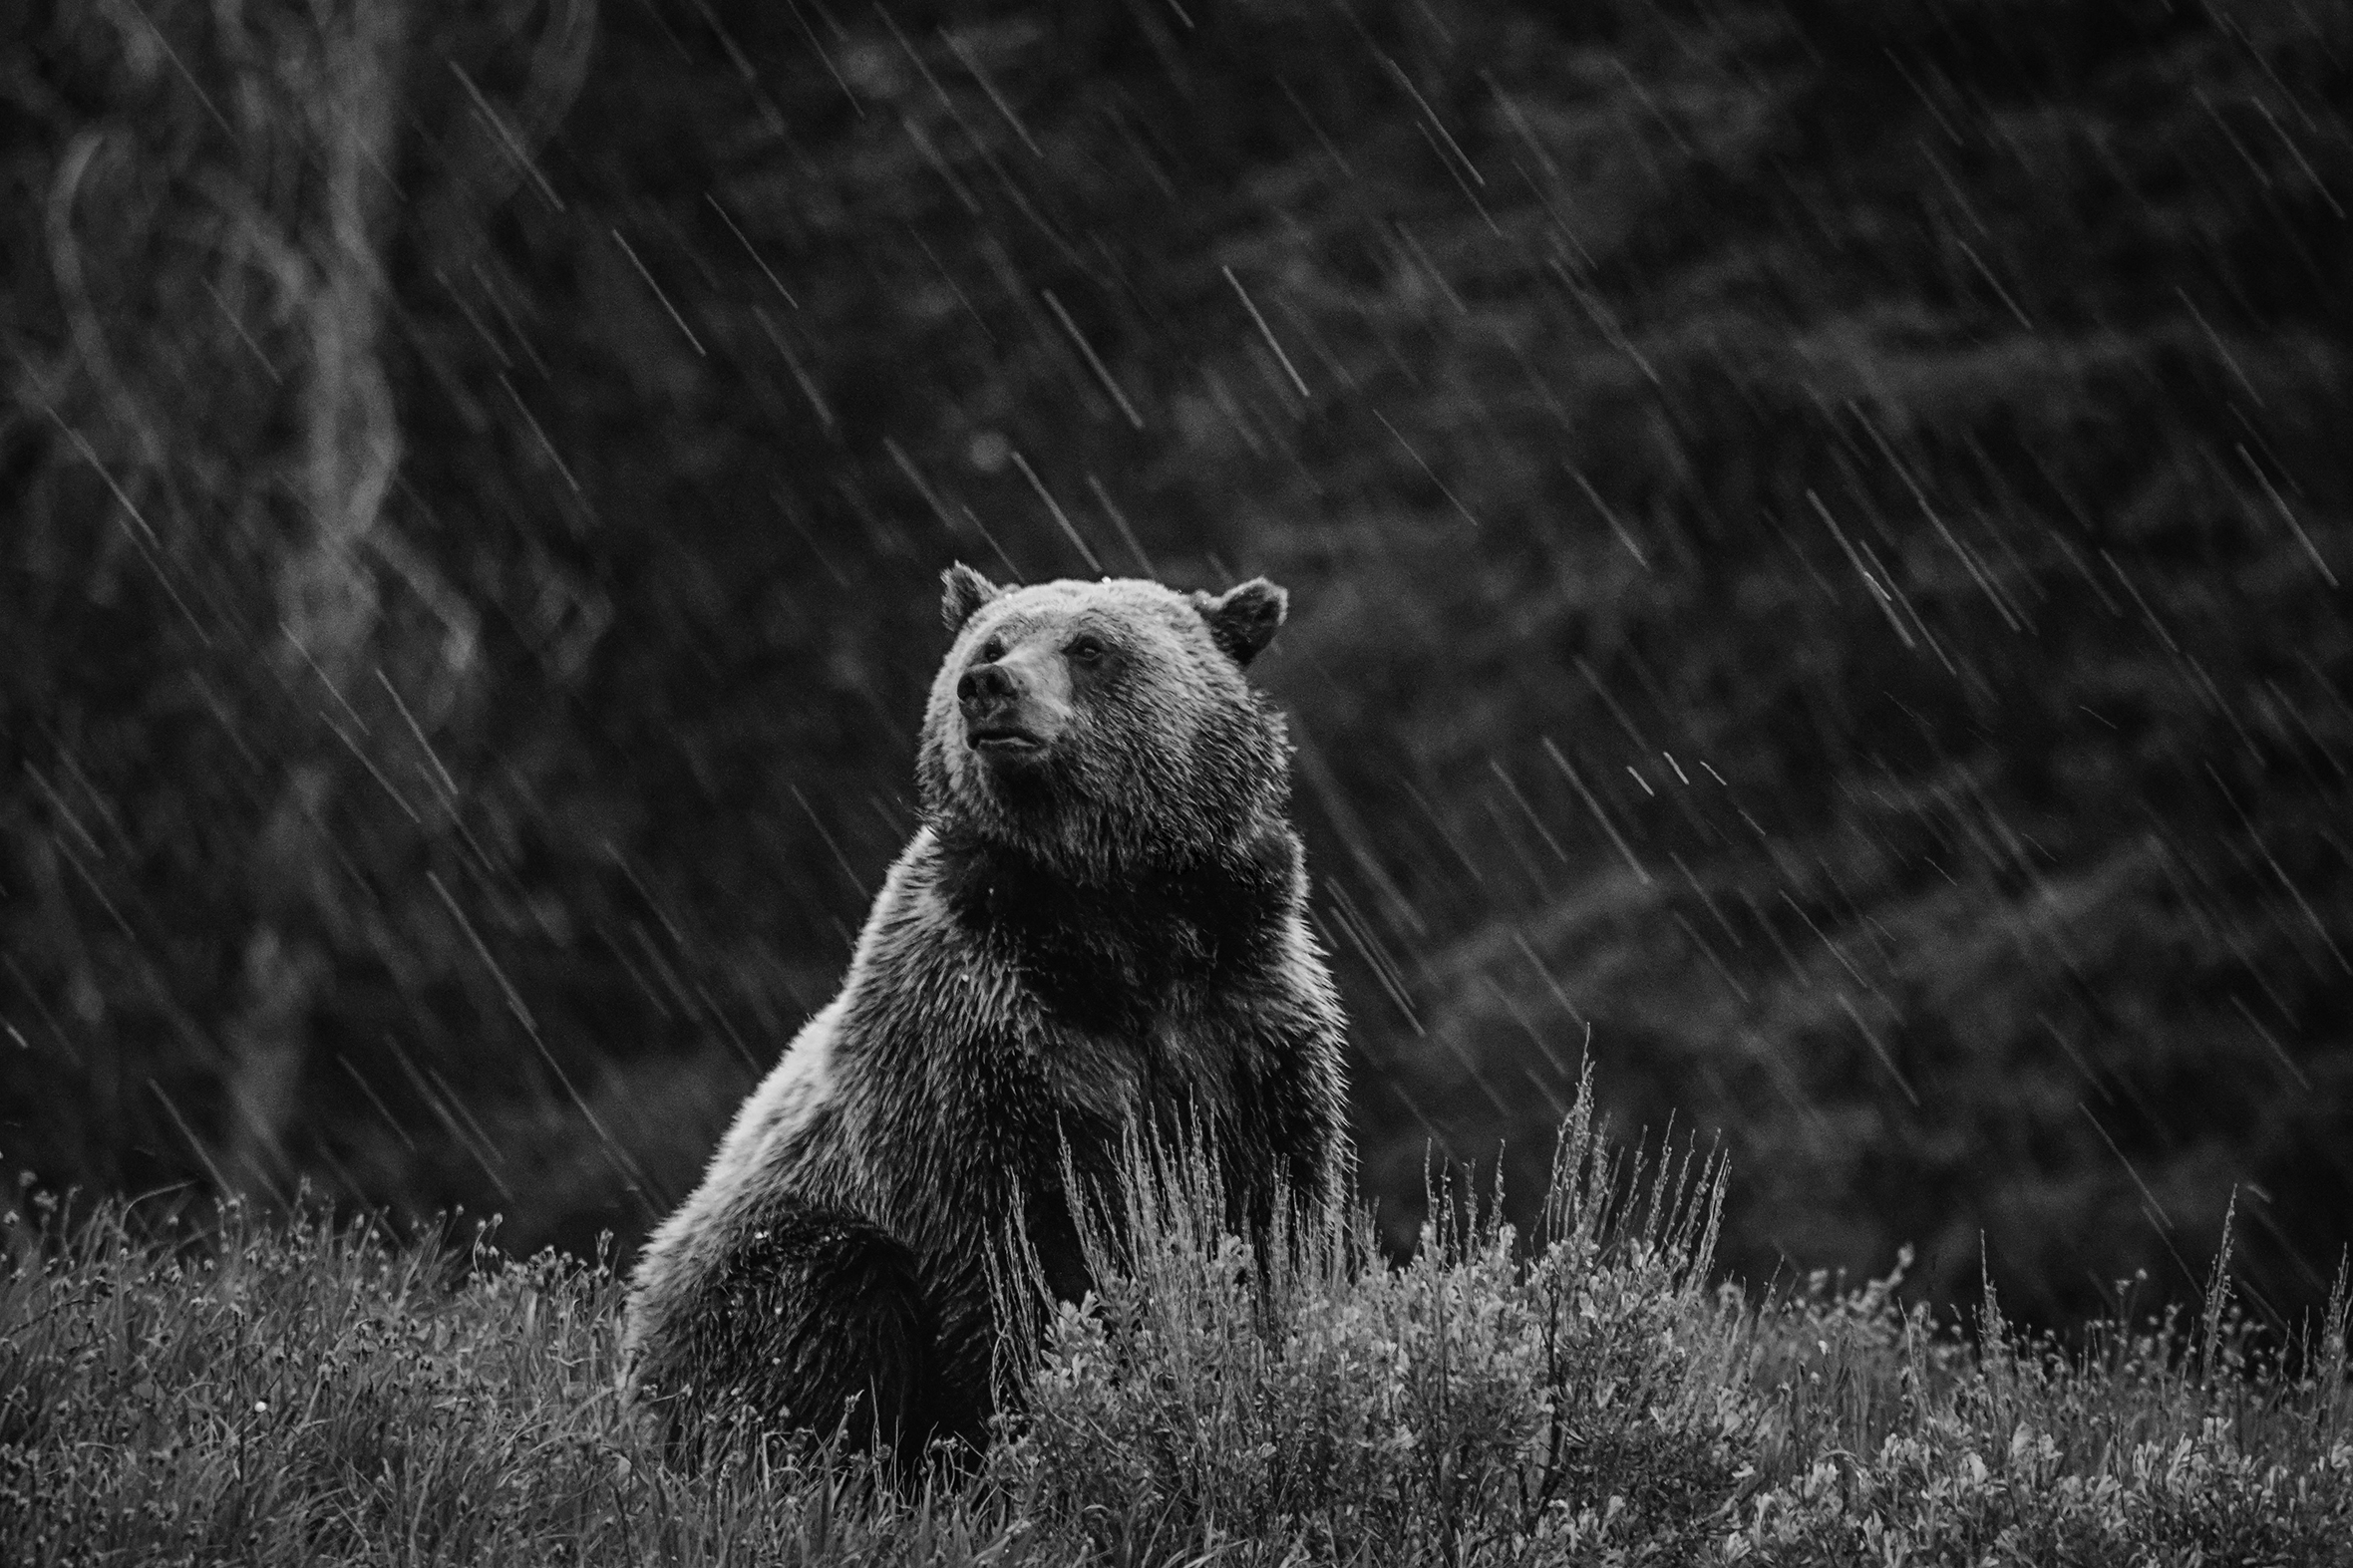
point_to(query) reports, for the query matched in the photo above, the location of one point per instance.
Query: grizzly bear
(1099, 926)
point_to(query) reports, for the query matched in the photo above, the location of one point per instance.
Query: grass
(261, 1389)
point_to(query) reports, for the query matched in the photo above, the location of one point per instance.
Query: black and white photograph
(1178, 783)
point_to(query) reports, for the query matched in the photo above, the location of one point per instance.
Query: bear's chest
(1116, 979)
(1179, 1055)
(1137, 960)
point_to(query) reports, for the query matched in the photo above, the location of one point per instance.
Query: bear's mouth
(1004, 740)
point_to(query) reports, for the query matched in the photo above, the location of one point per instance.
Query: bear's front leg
(813, 1321)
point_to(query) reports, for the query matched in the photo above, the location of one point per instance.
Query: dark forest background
(1817, 535)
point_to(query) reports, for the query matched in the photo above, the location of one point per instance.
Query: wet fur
(1116, 933)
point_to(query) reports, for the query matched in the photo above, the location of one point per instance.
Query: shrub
(1485, 1401)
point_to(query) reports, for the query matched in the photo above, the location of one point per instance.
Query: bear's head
(1105, 727)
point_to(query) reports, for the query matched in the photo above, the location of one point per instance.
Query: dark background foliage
(1816, 536)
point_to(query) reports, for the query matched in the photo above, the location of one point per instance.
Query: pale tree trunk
(349, 112)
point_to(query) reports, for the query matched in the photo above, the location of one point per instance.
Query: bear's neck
(1107, 954)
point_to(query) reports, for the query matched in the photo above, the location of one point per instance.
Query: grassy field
(285, 1391)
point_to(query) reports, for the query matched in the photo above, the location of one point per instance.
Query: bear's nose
(986, 683)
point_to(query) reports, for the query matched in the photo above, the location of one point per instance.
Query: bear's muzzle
(1014, 707)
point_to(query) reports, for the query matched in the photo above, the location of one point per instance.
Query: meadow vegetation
(289, 1390)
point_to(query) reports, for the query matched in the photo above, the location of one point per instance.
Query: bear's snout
(1013, 707)
(983, 686)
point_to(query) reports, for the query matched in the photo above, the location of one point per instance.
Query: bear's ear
(963, 591)
(1243, 619)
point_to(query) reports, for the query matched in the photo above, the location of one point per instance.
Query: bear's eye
(992, 650)
(1086, 649)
